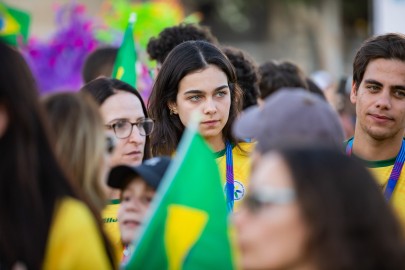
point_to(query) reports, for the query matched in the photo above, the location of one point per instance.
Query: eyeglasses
(123, 128)
(255, 201)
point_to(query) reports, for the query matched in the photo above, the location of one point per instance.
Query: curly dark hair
(159, 47)
(276, 75)
(247, 74)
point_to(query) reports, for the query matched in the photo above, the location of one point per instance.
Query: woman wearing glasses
(316, 209)
(197, 77)
(124, 114)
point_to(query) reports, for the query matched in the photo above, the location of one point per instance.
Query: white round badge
(239, 190)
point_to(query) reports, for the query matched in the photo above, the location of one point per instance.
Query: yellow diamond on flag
(8, 25)
(184, 227)
(120, 72)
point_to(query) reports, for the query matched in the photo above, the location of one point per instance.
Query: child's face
(135, 200)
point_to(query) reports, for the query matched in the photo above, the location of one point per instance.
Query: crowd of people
(79, 170)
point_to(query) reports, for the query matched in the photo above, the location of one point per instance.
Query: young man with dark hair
(378, 91)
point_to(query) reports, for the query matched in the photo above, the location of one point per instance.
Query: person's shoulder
(246, 146)
(74, 212)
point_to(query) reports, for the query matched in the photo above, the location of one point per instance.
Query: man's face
(380, 100)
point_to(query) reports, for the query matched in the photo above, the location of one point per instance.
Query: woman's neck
(217, 143)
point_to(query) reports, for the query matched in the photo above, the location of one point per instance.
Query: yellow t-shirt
(111, 227)
(241, 169)
(74, 241)
(382, 171)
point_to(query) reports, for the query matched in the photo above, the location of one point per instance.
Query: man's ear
(172, 107)
(353, 93)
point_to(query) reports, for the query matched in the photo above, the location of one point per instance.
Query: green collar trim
(375, 163)
(222, 152)
(115, 201)
(378, 163)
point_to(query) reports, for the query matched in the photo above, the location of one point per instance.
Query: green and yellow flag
(189, 226)
(124, 66)
(13, 24)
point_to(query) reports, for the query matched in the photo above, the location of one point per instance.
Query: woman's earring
(172, 111)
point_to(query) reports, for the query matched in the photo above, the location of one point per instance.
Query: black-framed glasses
(257, 200)
(123, 128)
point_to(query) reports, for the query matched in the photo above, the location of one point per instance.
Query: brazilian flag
(124, 66)
(188, 228)
(14, 23)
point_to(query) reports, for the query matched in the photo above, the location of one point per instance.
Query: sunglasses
(256, 200)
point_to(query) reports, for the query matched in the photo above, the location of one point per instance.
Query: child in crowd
(138, 186)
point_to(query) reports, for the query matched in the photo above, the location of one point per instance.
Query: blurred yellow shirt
(74, 241)
(111, 227)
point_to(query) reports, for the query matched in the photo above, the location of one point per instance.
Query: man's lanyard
(229, 186)
(395, 173)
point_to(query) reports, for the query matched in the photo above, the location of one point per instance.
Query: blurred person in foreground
(291, 116)
(138, 185)
(43, 215)
(378, 92)
(316, 209)
(80, 142)
(247, 74)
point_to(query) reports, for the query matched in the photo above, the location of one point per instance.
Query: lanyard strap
(395, 173)
(229, 186)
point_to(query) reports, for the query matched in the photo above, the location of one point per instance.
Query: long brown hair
(31, 181)
(350, 224)
(80, 144)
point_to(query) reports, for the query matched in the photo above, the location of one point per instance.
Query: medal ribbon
(395, 173)
(229, 186)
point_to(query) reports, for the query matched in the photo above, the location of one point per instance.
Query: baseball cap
(151, 171)
(291, 117)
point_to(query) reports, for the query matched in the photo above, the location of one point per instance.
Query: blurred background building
(316, 34)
